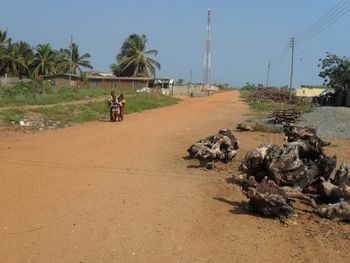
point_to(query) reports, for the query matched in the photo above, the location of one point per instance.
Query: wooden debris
(221, 147)
(269, 199)
(271, 94)
(244, 126)
(338, 211)
(277, 175)
(285, 116)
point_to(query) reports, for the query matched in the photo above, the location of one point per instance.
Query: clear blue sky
(245, 34)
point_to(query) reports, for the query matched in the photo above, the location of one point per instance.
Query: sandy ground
(104, 192)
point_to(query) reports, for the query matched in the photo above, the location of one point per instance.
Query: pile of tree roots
(220, 147)
(277, 176)
(271, 94)
(285, 116)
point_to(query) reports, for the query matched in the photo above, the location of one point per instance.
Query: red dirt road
(102, 192)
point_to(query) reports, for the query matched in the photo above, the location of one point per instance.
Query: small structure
(311, 91)
(166, 85)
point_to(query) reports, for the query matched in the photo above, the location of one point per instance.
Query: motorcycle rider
(112, 103)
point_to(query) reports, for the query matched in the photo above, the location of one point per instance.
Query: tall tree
(133, 59)
(4, 40)
(44, 60)
(22, 54)
(335, 71)
(70, 60)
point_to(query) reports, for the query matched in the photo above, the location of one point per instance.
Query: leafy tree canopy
(134, 60)
(335, 71)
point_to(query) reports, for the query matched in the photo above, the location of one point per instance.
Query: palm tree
(79, 61)
(22, 54)
(67, 63)
(44, 60)
(5, 57)
(134, 60)
(3, 38)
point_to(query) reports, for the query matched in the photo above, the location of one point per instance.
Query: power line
(326, 26)
(306, 55)
(323, 19)
(281, 55)
(330, 20)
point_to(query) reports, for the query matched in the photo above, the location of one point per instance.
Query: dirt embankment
(104, 192)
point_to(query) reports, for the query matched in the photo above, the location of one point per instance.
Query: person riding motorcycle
(113, 106)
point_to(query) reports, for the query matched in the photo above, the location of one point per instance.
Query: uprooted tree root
(220, 147)
(300, 170)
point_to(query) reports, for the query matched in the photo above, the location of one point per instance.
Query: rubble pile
(300, 170)
(220, 147)
(285, 116)
(270, 94)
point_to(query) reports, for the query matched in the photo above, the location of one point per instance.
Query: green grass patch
(24, 94)
(267, 128)
(12, 115)
(77, 113)
(270, 106)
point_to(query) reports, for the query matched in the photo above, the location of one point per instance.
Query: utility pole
(268, 73)
(71, 57)
(207, 55)
(191, 72)
(291, 45)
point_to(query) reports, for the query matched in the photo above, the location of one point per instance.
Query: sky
(245, 34)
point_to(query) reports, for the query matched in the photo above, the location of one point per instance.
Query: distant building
(97, 80)
(311, 91)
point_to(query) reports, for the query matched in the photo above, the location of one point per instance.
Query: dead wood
(269, 199)
(285, 116)
(276, 176)
(221, 147)
(341, 176)
(338, 211)
(244, 126)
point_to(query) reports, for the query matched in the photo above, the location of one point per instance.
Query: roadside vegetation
(29, 94)
(262, 109)
(66, 115)
(20, 59)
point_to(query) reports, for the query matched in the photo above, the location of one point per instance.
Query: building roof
(312, 87)
(94, 77)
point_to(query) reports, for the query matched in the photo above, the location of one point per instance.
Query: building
(311, 91)
(97, 80)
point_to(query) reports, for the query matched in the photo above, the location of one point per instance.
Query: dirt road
(104, 192)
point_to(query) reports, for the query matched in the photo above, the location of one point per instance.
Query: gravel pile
(331, 122)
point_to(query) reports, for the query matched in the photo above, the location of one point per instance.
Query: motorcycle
(114, 112)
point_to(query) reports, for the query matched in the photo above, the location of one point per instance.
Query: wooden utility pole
(291, 45)
(71, 57)
(268, 73)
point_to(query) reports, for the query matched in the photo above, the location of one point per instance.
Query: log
(341, 176)
(269, 200)
(221, 147)
(244, 126)
(338, 211)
